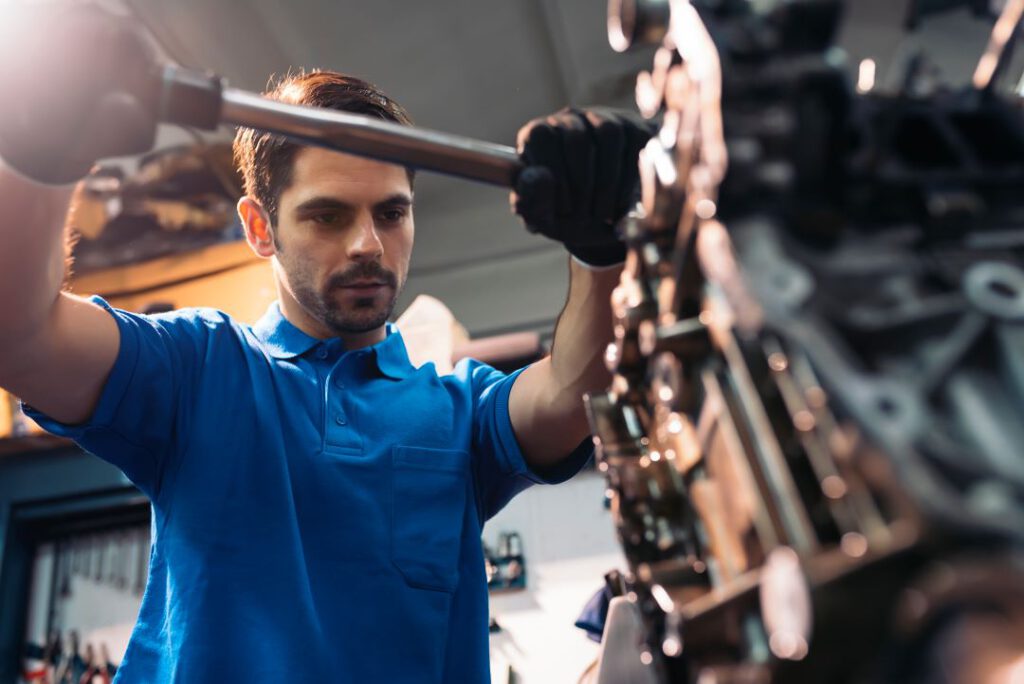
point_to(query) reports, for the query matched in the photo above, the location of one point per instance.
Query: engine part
(815, 417)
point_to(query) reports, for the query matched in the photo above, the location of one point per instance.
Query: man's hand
(580, 178)
(78, 84)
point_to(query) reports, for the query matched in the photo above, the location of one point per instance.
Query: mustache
(366, 271)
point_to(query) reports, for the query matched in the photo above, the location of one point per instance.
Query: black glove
(580, 178)
(78, 84)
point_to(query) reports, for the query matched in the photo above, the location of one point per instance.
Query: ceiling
(476, 67)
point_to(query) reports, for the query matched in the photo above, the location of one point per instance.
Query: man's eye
(324, 218)
(393, 216)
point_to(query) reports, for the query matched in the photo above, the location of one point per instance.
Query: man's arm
(55, 349)
(580, 178)
(546, 402)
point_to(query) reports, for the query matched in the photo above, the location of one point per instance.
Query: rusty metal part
(818, 366)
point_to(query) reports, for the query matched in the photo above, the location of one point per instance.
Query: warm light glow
(617, 33)
(611, 356)
(833, 487)
(695, 44)
(815, 397)
(866, 76)
(664, 166)
(788, 645)
(854, 544)
(1011, 673)
(705, 209)
(707, 676)
(648, 98)
(777, 361)
(803, 420)
(662, 598)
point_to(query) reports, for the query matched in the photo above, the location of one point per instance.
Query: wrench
(203, 100)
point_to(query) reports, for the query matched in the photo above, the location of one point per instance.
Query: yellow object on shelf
(14, 423)
(6, 414)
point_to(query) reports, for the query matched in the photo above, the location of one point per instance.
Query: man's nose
(365, 244)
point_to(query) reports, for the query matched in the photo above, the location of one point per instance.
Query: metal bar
(453, 155)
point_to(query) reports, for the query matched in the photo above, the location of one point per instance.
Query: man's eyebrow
(399, 200)
(321, 203)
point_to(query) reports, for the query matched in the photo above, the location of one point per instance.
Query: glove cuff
(596, 269)
(598, 257)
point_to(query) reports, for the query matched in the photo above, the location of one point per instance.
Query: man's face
(344, 236)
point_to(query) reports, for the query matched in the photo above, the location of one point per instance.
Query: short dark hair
(265, 160)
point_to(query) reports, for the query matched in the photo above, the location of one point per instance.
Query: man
(317, 500)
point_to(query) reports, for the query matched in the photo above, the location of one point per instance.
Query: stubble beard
(364, 316)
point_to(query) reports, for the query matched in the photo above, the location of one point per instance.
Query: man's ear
(258, 231)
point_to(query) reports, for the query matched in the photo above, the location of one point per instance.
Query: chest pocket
(429, 504)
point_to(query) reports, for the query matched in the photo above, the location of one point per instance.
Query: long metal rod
(453, 155)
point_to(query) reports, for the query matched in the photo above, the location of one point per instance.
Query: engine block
(814, 438)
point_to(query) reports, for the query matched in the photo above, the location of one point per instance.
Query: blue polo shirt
(316, 511)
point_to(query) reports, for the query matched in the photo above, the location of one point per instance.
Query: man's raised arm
(74, 83)
(580, 178)
(545, 405)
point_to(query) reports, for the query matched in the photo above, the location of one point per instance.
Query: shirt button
(339, 384)
(340, 419)
(321, 353)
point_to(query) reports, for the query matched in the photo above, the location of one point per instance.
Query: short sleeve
(500, 469)
(142, 415)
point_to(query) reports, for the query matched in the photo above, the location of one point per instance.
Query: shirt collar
(282, 340)
(392, 358)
